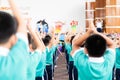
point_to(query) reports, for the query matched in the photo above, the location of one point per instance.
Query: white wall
(55, 10)
(62, 10)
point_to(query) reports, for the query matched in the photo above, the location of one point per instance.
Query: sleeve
(35, 57)
(77, 52)
(20, 48)
(54, 49)
(110, 56)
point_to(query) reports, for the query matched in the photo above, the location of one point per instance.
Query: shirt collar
(96, 59)
(4, 51)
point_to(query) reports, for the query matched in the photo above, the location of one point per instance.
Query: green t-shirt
(88, 70)
(41, 66)
(14, 65)
(117, 63)
(49, 55)
(68, 47)
(34, 59)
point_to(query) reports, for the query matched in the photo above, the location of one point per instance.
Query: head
(8, 28)
(95, 45)
(47, 40)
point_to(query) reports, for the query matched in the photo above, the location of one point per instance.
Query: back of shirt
(88, 70)
(14, 65)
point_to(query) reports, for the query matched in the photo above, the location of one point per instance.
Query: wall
(55, 10)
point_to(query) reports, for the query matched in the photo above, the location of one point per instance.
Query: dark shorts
(99, 29)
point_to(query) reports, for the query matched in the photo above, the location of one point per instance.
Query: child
(68, 47)
(41, 66)
(49, 57)
(99, 25)
(13, 48)
(117, 64)
(35, 55)
(94, 61)
(50, 50)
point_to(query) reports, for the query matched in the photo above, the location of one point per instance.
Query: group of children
(23, 55)
(28, 56)
(95, 55)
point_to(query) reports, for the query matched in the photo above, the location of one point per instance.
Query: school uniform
(67, 57)
(49, 61)
(14, 61)
(71, 67)
(117, 63)
(41, 67)
(34, 59)
(68, 47)
(91, 68)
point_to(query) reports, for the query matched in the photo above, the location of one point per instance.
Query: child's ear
(13, 40)
(30, 48)
(85, 50)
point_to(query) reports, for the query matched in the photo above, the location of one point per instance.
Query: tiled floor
(61, 71)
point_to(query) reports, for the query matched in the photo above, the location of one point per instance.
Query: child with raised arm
(35, 55)
(13, 45)
(68, 48)
(96, 60)
(51, 47)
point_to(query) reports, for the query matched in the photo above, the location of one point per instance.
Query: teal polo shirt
(34, 59)
(49, 55)
(68, 47)
(117, 63)
(92, 68)
(14, 65)
(41, 66)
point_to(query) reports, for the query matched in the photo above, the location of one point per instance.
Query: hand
(28, 23)
(92, 28)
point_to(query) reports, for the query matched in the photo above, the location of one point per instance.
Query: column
(90, 12)
(113, 16)
(100, 11)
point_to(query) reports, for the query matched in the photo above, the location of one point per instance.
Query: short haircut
(47, 40)
(31, 41)
(72, 37)
(29, 38)
(96, 45)
(8, 26)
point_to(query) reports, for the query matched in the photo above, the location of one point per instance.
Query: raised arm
(79, 41)
(21, 24)
(41, 41)
(37, 39)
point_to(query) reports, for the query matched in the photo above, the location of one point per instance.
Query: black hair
(29, 38)
(47, 39)
(72, 37)
(31, 41)
(8, 26)
(96, 45)
(39, 22)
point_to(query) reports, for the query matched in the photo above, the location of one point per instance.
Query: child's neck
(6, 45)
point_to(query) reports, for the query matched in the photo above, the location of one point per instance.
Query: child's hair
(96, 45)
(31, 41)
(29, 38)
(8, 26)
(72, 37)
(47, 39)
